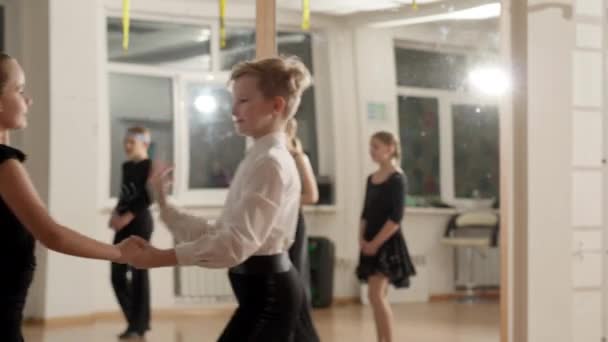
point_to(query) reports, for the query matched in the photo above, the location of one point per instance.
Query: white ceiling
(345, 7)
(340, 7)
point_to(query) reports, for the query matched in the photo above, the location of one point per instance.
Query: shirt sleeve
(238, 234)
(183, 226)
(397, 198)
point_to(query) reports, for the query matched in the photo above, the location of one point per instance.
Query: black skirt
(392, 260)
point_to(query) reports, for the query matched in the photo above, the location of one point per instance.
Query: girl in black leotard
(23, 216)
(384, 256)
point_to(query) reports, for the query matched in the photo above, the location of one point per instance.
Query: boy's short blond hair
(141, 132)
(287, 77)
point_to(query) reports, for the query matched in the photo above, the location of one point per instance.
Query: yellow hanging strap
(223, 23)
(305, 15)
(126, 23)
(414, 5)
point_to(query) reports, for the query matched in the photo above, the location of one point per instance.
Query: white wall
(549, 149)
(73, 163)
(376, 83)
(470, 35)
(33, 54)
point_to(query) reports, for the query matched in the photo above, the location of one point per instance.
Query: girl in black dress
(384, 256)
(23, 216)
(298, 252)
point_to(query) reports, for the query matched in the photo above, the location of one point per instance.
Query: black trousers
(133, 294)
(268, 307)
(298, 253)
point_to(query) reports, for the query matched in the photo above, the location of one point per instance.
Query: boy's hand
(160, 181)
(130, 248)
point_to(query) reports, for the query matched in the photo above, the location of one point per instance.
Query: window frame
(469, 101)
(446, 99)
(182, 194)
(186, 195)
(134, 70)
(12, 29)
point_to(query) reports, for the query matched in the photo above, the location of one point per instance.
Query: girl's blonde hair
(287, 77)
(3, 74)
(388, 138)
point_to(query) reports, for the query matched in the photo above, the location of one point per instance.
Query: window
(449, 138)
(145, 101)
(172, 82)
(161, 44)
(215, 148)
(419, 136)
(240, 46)
(307, 127)
(476, 153)
(300, 44)
(430, 69)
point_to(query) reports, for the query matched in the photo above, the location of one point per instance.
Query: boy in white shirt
(257, 225)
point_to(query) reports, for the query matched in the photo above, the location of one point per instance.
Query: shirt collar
(267, 141)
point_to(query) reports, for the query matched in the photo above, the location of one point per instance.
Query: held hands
(137, 252)
(129, 249)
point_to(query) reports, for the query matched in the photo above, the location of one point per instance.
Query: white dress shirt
(259, 216)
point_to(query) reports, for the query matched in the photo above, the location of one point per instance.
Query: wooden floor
(434, 322)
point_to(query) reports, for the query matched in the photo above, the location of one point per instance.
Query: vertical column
(514, 178)
(266, 28)
(588, 70)
(549, 174)
(33, 54)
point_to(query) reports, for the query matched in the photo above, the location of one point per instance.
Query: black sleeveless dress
(18, 263)
(385, 201)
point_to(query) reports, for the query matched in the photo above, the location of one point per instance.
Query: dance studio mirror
(432, 72)
(429, 71)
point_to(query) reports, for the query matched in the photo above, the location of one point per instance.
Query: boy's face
(134, 146)
(253, 114)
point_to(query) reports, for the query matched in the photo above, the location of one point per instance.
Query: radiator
(486, 269)
(196, 284)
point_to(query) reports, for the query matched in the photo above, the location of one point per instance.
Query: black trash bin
(322, 262)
